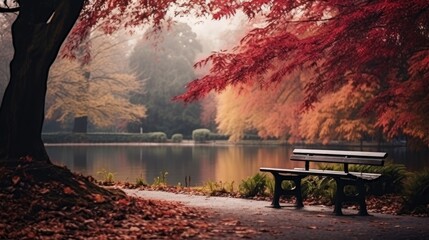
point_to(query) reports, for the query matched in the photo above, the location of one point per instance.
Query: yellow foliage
(99, 90)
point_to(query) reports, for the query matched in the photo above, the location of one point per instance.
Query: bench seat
(319, 172)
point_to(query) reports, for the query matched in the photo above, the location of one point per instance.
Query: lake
(202, 163)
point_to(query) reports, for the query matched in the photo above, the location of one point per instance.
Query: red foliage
(381, 42)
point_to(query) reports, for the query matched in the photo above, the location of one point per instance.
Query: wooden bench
(342, 178)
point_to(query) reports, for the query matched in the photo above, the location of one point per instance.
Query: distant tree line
(116, 89)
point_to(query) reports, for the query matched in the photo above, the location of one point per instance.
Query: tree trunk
(80, 124)
(38, 32)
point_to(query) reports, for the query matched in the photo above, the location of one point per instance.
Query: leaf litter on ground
(44, 201)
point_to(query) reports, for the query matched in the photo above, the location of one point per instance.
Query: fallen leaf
(68, 191)
(31, 235)
(124, 202)
(15, 179)
(98, 198)
(44, 190)
(82, 184)
(231, 223)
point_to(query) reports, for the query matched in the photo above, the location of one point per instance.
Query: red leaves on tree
(381, 42)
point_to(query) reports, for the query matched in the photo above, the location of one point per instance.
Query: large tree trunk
(38, 32)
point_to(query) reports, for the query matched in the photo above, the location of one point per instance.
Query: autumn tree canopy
(361, 43)
(99, 90)
(347, 41)
(270, 112)
(336, 116)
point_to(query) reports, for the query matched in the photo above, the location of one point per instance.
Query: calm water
(201, 162)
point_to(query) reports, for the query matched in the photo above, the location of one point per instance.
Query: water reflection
(80, 156)
(201, 163)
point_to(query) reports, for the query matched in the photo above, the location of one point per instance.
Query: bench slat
(366, 176)
(338, 159)
(340, 153)
(330, 173)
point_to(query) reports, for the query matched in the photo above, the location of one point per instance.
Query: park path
(311, 222)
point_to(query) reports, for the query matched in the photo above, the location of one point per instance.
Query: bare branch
(9, 10)
(6, 8)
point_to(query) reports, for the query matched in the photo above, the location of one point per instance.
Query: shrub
(251, 137)
(392, 180)
(159, 137)
(218, 188)
(107, 178)
(201, 135)
(270, 185)
(253, 186)
(417, 193)
(177, 138)
(216, 136)
(140, 182)
(161, 180)
(321, 188)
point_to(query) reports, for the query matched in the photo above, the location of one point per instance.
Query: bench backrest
(336, 156)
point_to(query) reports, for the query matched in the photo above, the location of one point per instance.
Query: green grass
(161, 180)
(107, 177)
(213, 188)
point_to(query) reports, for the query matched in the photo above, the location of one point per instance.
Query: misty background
(128, 84)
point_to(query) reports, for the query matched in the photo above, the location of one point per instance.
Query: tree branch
(9, 10)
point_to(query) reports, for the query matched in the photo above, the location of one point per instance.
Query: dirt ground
(311, 222)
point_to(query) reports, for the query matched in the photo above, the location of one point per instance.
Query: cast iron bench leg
(277, 190)
(361, 198)
(298, 193)
(339, 197)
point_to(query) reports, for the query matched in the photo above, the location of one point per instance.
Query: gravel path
(311, 222)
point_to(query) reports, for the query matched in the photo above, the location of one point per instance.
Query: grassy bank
(397, 192)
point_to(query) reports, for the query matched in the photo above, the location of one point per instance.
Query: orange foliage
(337, 116)
(378, 42)
(272, 111)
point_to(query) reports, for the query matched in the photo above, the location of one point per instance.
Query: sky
(211, 32)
